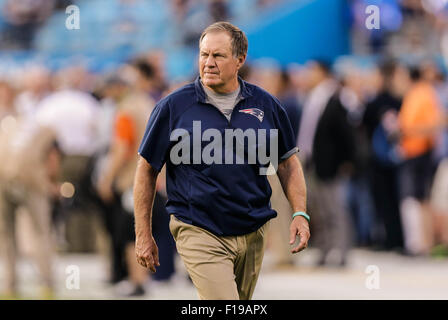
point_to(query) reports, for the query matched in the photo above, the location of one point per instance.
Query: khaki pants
(221, 268)
(38, 206)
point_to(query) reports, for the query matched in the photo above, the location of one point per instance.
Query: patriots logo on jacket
(259, 114)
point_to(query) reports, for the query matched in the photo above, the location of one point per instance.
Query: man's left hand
(299, 227)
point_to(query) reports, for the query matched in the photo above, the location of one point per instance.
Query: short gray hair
(238, 38)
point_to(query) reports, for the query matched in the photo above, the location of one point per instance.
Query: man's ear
(241, 60)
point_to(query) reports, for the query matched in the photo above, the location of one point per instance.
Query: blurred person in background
(116, 181)
(299, 86)
(333, 157)
(150, 81)
(320, 86)
(288, 96)
(268, 75)
(380, 121)
(36, 85)
(420, 119)
(74, 77)
(156, 60)
(30, 158)
(360, 202)
(111, 92)
(68, 110)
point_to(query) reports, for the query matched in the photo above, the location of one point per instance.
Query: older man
(214, 135)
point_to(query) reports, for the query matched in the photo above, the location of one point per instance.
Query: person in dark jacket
(333, 158)
(383, 171)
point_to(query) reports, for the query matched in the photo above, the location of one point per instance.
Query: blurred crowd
(373, 146)
(372, 139)
(68, 145)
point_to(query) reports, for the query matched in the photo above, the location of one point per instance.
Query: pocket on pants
(174, 225)
(171, 226)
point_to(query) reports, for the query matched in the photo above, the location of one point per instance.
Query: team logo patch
(255, 112)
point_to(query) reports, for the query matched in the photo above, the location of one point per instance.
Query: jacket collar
(202, 97)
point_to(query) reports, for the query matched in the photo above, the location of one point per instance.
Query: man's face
(217, 66)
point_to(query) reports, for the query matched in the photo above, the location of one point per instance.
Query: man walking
(214, 135)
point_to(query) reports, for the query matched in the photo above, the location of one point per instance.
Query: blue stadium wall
(300, 30)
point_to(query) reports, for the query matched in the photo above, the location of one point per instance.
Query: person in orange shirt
(419, 119)
(116, 181)
(420, 122)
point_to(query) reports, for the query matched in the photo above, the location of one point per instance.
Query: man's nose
(210, 62)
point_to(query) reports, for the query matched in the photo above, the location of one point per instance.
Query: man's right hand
(147, 252)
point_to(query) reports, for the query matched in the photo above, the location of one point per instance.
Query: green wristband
(301, 213)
